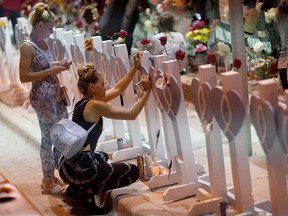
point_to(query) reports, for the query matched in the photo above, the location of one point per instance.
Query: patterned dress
(89, 169)
(50, 108)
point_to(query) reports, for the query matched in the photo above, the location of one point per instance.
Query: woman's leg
(113, 175)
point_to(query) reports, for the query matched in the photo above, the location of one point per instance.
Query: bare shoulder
(27, 49)
(94, 109)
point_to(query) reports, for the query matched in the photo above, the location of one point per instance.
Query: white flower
(147, 11)
(148, 25)
(258, 47)
(224, 48)
(159, 8)
(270, 15)
(262, 34)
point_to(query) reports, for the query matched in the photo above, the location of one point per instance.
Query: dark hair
(87, 74)
(166, 22)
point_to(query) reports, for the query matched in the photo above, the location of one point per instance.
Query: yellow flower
(189, 35)
(205, 31)
(3, 23)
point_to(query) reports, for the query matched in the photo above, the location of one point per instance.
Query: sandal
(55, 180)
(57, 190)
(49, 187)
(59, 181)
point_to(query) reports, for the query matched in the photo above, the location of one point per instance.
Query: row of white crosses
(222, 107)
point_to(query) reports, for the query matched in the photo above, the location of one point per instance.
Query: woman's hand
(56, 70)
(145, 82)
(65, 63)
(137, 59)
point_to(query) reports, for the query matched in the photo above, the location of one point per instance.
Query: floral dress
(46, 101)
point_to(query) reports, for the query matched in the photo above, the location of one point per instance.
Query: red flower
(163, 40)
(122, 33)
(7, 14)
(24, 7)
(272, 69)
(237, 63)
(96, 28)
(68, 22)
(145, 41)
(180, 55)
(79, 24)
(26, 12)
(211, 59)
(110, 34)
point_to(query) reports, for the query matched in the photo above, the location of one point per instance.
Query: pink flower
(180, 55)
(200, 48)
(197, 24)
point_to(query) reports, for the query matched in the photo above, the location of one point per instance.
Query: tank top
(79, 119)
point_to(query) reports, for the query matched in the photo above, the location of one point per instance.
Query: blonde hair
(87, 74)
(41, 13)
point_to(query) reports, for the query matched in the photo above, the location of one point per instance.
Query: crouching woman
(88, 172)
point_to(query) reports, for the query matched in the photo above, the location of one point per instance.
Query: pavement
(20, 164)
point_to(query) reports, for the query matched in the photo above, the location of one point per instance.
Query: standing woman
(37, 66)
